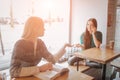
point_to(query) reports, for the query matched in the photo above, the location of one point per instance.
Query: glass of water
(3, 76)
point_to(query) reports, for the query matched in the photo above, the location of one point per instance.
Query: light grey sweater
(24, 62)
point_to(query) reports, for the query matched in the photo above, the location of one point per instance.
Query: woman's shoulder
(40, 40)
(82, 34)
(98, 32)
(20, 42)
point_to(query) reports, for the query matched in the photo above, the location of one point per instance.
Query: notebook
(52, 74)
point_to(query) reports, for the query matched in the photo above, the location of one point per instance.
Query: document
(52, 74)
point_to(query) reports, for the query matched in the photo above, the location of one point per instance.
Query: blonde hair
(31, 26)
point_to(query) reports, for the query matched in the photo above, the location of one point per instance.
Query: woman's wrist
(93, 33)
(64, 47)
(40, 69)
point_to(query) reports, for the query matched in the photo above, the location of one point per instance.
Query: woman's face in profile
(40, 30)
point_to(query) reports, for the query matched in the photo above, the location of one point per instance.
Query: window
(55, 14)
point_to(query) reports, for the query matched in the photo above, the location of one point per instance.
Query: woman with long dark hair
(89, 39)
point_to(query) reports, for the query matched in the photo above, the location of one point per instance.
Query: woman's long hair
(31, 26)
(87, 35)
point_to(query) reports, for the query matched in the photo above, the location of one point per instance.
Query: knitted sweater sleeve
(18, 67)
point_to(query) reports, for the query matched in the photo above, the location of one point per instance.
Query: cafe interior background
(65, 21)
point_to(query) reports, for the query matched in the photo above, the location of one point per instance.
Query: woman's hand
(94, 29)
(77, 45)
(45, 67)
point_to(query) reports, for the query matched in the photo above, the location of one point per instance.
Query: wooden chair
(116, 68)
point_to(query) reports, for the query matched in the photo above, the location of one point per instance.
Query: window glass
(55, 14)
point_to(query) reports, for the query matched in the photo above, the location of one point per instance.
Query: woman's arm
(97, 38)
(61, 52)
(80, 46)
(53, 58)
(16, 70)
(19, 67)
(28, 71)
(96, 42)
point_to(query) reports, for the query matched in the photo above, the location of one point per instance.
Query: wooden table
(72, 75)
(82, 68)
(100, 55)
(116, 63)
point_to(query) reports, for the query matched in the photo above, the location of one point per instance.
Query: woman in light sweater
(29, 50)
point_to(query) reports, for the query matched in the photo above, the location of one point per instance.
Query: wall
(112, 20)
(113, 31)
(117, 30)
(85, 9)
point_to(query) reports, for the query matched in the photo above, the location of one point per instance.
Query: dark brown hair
(87, 35)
